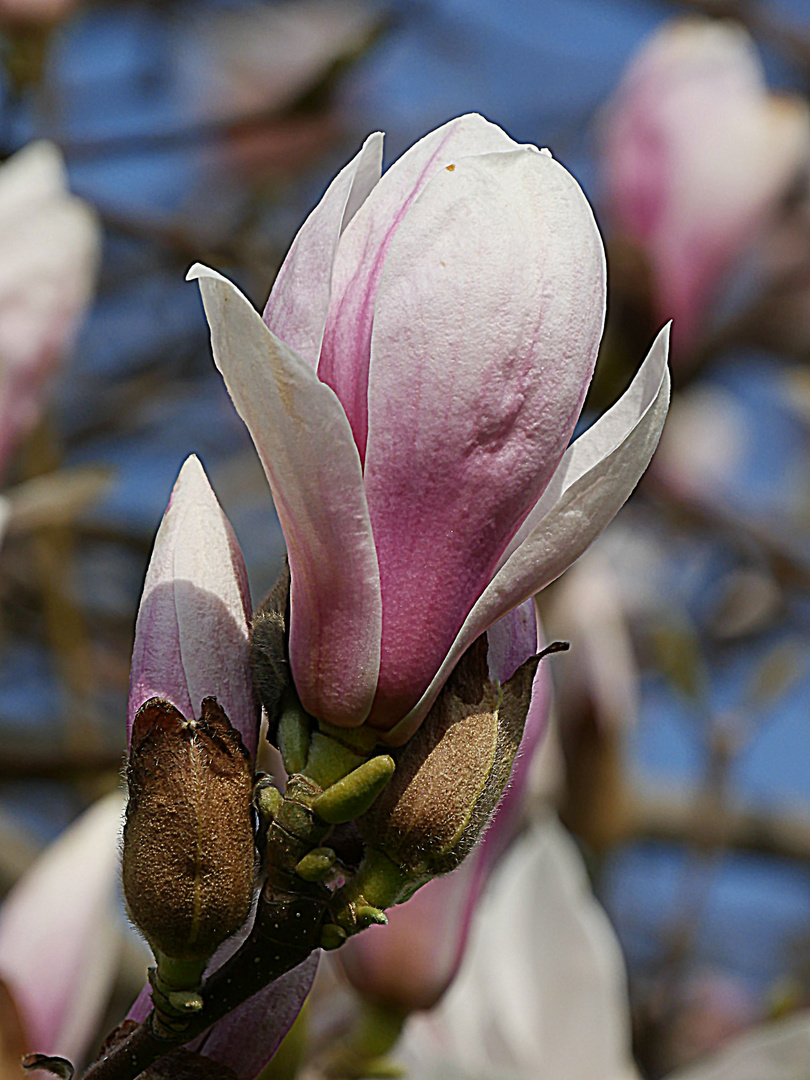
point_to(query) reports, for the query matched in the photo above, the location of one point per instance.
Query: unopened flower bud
(451, 774)
(188, 860)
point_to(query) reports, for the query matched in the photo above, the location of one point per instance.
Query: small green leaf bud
(292, 738)
(316, 864)
(188, 858)
(355, 793)
(451, 774)
(368, 915)
(267, 799)
(332, 936)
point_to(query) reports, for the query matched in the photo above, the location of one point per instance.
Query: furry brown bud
(451, 774)
(188, 855)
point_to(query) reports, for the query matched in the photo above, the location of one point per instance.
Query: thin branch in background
(53, 548)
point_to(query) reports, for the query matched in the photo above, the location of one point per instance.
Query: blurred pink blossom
(411, 391)
(60, 932)
(697, 155)
(50, 250)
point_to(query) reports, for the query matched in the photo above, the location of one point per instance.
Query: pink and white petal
(192, 636)
(512, 640)
(297, 307)
(487, 326)
(410, 963)
(543, 979)
(304, 441)
(60, 931)
(595, 478)
(247, 1038)
(510, 815)
(363, 248)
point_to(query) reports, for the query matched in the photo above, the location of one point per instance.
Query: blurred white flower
(778, 1051)
(265, 56)
(600, 674)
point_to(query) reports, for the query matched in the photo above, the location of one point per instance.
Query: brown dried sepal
(451, 774)
(188, 861)
(14, 1041)
(268, 642)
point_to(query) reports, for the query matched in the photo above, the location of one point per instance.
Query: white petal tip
(199, 272)
(659, 350)
(192, 469)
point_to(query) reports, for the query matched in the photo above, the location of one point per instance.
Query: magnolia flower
(410, 963)
(542, 992)
(50, 250)
(697, 156)
(60, 932)
(411, 391)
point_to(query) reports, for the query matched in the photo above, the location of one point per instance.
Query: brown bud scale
(268, 641)
(188, 859)
(452, 773)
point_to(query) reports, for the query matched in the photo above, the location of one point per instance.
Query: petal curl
(486, 329)
(297, 307)
(593, 481)
(191, 637)
(304, 441)
(363, 248)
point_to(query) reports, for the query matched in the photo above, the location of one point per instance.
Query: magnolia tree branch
(674, 817)
(286, 930)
